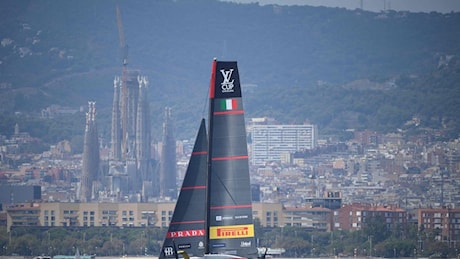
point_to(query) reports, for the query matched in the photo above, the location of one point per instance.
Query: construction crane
(121, 36)
(124, 87)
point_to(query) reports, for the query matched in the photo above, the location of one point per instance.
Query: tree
(376, 227)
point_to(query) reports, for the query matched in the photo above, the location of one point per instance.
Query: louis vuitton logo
(227, 84)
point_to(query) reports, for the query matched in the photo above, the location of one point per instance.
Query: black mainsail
(213, 214)
(187, 229)
(229, 210)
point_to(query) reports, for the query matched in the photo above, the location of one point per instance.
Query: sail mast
(208, 176)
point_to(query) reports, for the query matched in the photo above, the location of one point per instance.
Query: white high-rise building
(271, 142)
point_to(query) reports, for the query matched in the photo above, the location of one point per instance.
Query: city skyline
(426, 6)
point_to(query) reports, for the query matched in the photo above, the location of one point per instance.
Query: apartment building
(269, 214)
(444, 222)
(274, 142)
(331, 200)
(354, 216)
(23, 215)
(311, 218)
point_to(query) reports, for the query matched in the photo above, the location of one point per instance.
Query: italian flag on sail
(228, 104)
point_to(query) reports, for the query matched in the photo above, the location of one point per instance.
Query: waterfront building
(66, 214)
(355, 216)
(269, 214)
(22, 215)
(443, 222)
(313, 218)
(348, 217)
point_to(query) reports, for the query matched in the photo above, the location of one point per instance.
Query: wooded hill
(337, 68)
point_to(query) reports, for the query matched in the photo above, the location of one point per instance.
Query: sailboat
(186, 230)
(213, 213)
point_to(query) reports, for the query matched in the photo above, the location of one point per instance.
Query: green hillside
(337, 68)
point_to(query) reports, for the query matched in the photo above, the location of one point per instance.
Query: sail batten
(193, 187)
(242, 157)
(234, 112)
(198, 153)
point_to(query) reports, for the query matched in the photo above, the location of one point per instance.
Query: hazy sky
(442, 6)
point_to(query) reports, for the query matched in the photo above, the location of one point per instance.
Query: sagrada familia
(130, 174)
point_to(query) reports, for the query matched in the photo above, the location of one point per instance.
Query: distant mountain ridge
(67, 52)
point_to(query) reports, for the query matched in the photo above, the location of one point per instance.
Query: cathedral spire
(90, 164)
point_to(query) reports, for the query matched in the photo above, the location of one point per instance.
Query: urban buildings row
(411, 171)
(444, 223)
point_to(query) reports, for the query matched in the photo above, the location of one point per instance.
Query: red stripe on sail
(188, 222)
(233, 206)
(230, 112)
(213, 79)
(234, 104)
(194, 187)
(199, 153)
(230, 158)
